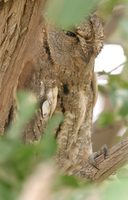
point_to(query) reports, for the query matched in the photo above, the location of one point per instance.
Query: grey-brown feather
(64, 82)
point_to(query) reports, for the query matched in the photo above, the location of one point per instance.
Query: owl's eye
(71, 34)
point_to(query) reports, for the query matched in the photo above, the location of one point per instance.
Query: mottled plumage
(64, 82)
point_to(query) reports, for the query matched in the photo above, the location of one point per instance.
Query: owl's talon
(104, 150)
(94, 155)
(91, 159)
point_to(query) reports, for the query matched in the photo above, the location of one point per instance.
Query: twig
(109, 73)
(117, 157)
(117, 67)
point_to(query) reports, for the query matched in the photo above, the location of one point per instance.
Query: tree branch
(117, 157)
(109, 73)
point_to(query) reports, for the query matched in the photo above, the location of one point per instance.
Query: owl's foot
(94, 155)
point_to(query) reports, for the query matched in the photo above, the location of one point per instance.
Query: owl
(64, 82)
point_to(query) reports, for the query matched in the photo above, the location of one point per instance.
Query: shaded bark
(20, 25)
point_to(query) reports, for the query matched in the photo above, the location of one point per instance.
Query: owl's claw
(104, 150)
(92, 157)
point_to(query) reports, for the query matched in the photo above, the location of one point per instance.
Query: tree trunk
(20, 25)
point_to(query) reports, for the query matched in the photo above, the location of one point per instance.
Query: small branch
(109, 73)
(117, 157)
(117, 67)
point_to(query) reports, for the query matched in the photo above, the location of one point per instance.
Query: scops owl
(64, 81)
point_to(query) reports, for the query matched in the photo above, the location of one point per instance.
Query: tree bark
(117, 157)
(20, 25)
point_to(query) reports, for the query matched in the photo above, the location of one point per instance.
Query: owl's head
(83, 41)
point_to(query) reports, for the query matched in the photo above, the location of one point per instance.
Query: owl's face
(84, 41)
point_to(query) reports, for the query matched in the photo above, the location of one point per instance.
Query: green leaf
(122, 174)
(119, 97)
(6, 192)
(70, 181)
(26, 105)
(124, 27)
(6, 149)
(106, 118)
(122, 95)
(118, 81)
(66, 13)
(47, 145)
(116, 190)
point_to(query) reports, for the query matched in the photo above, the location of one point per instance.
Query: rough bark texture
(19, 22)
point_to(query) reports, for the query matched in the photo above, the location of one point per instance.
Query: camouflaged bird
(64, 82)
